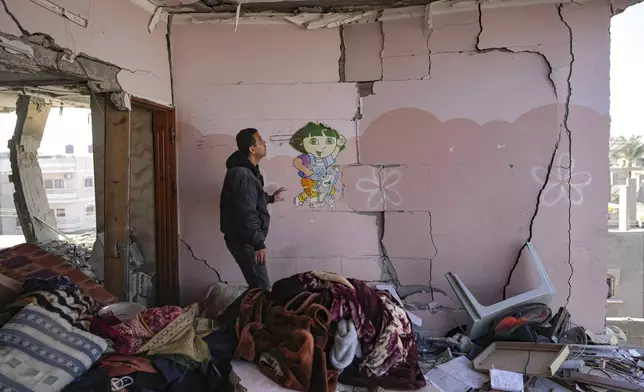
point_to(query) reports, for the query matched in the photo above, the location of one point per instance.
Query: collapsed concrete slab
(30, 198)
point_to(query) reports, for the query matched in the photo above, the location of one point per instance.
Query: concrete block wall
(626, 259)
(451, 132)
(633, 328)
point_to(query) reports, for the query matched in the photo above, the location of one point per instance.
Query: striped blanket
(42, 352)
(73, 307)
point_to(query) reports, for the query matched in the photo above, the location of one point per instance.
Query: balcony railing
(57, 165)
(61, 193)
(66, 222)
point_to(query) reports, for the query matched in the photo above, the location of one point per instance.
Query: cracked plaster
(487, 94)
(409, 92)
(551, 45)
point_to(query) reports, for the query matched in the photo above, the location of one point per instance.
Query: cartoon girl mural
(320, 146)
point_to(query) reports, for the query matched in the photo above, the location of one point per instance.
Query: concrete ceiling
(208, 6)
(60, 95)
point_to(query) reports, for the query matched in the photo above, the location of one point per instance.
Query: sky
(626, 84)
(627, 72)
(73, 127)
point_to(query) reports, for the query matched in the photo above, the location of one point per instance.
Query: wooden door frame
(117, 199)
(165, 203)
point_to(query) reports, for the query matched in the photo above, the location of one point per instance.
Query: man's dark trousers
(256, 275)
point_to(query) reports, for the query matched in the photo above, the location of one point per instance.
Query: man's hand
(278, 194)
(260, 256)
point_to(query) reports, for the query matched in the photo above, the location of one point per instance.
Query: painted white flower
(380, 190)
(557, 187)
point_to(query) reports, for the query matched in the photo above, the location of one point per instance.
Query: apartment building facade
(69, 183)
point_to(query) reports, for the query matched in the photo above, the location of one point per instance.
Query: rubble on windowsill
(76, 250)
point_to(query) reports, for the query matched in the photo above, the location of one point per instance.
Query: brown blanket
(377, 325)
(288, 346)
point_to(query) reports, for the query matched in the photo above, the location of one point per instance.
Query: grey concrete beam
(29, 196)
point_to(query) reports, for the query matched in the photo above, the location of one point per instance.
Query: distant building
(69, 184)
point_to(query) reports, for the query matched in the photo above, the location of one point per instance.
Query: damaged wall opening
(49, 129)
(54, 170)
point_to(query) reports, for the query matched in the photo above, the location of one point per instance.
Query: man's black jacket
(244, 215)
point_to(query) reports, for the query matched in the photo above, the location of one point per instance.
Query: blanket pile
(317, 328)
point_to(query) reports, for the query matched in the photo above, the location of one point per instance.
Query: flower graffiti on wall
(557, 187)
(381, 190)
(319, 146)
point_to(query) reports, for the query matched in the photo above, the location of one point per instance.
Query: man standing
(243, 207)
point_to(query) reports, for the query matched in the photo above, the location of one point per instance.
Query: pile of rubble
(455, 364)
(520, 344)
(76, 250)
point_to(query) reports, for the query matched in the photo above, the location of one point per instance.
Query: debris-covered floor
(315, 331)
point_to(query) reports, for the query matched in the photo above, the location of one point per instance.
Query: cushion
(41, 352)
(178, 337)
(218, 297)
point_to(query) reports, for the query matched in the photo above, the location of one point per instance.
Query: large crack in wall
(389, 270)
(406, 291)
(391, 275)
(343, 56)
(364, 89)
(509, 50)
(564, 127)
(204, 261)
(13, 17)
(168, 37)
(569, 135)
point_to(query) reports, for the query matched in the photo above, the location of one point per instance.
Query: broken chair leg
(481, 316)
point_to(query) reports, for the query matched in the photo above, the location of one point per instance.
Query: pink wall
(445, 158)
(117, 33)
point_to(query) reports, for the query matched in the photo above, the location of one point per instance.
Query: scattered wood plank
(532, 359)
(603, 382)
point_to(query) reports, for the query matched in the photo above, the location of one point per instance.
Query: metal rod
(53, 228)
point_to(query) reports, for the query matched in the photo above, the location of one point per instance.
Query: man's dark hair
(246, 139)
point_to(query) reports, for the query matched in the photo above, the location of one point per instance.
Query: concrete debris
(136, 259)
(37, 53)
(519, 352)
(121, 101)
(76, 252)
(140, 282)
(85, 252)
(136, 256)
(309, 19)
(141, 289)
(96, 260)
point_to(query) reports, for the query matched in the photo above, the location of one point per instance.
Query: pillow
(219, 297)
(41, 352)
